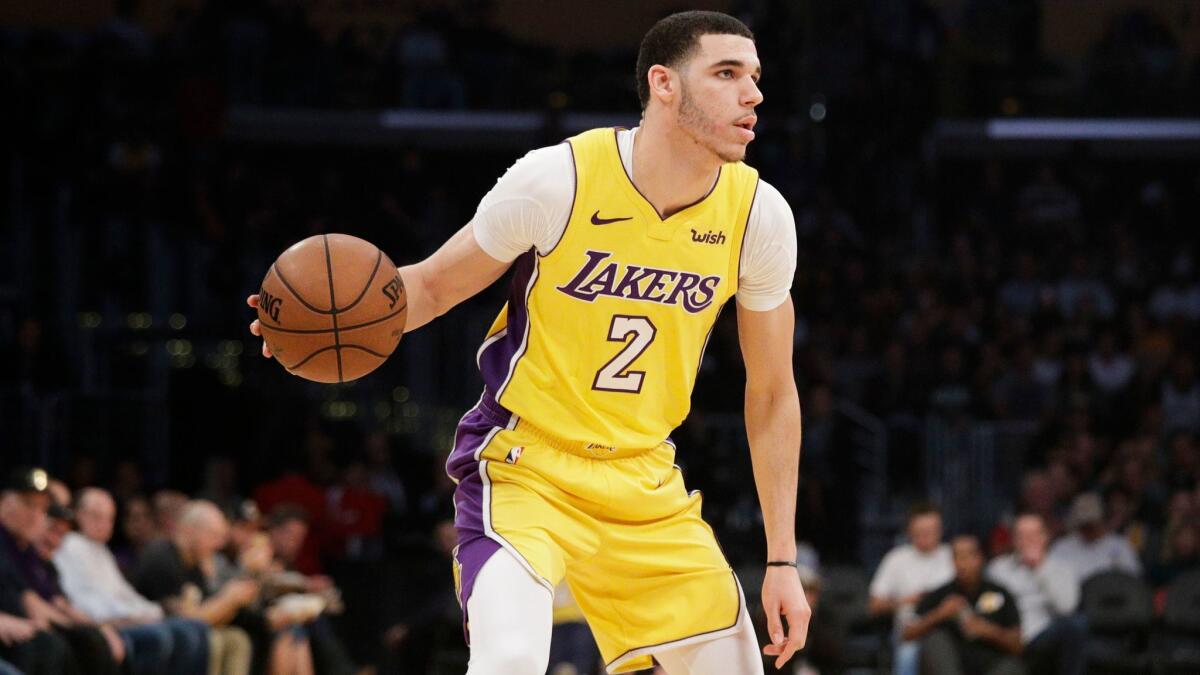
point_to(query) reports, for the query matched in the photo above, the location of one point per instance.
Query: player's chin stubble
(702, 129)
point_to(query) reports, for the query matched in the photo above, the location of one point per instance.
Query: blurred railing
(973, 470)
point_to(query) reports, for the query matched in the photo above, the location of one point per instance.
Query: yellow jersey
(602, 336)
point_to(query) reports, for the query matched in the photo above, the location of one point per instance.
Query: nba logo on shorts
(514, 455)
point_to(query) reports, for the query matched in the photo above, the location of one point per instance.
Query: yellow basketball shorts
(617, 524)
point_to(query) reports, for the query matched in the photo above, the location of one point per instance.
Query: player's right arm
(527, 209)
(457, 271)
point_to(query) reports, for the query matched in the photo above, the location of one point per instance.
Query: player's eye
(726, 74)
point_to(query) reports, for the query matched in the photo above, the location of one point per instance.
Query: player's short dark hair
(923, 509)
(286, 513)
(672, 40)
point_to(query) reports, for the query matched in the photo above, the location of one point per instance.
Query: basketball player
(626, 244)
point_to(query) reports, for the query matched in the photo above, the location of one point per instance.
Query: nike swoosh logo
(597, 220)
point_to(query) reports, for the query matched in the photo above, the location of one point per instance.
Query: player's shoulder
(546, 159)
(769, 198)
(545, 174)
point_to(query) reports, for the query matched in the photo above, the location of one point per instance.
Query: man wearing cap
(93, 582)
(1046, 592)
(24, 502)
(1090, 548)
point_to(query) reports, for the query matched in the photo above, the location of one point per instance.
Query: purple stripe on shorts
(474, 547)
(496, 359)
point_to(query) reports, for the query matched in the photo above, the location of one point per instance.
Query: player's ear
(663, 83)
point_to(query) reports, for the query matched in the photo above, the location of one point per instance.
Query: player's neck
(670, 169)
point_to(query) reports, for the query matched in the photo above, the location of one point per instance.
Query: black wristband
(781, 563)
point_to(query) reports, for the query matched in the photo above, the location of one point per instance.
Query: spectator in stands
(93, 583)
(1037, 496)
(825, 647)
(168, 505)
(1181, 553)
(1090, 548)
(137, 528)
(287, 528)
(1181, 396)
(909, 571)
(418, 610)
(970, 625)
(147, 648)
(24, 506)
(173, 572)
(25, 649)
(1046, 593)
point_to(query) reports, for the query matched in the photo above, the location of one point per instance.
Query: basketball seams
(308, 358)
(343, 329)
(366, 286)
(337, 343)
(308, 332)
(299, 298)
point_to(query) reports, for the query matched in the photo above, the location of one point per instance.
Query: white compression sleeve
(510, 616)
(735, 654)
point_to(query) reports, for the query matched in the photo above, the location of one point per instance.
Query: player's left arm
(773, 428)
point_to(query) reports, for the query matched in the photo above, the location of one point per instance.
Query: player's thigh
(736, 654)
(657, 583)
(509, 619)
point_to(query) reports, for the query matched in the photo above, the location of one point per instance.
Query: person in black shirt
(969, 625)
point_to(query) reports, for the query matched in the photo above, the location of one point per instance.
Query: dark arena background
(997, 299)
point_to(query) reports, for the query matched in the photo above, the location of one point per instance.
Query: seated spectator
(1181, 553)
(92, 581)
(168, 505)
(147, 648)
(908, 572)
(25, 503)
(172, 572)
(1090, 548)
(287, 529)
(137, 528)
(421, 602)
(969, 625)
(24, 508)
(25, 649)
(824, 648)
(1046, 593)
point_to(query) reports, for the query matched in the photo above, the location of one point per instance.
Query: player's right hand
(255, 328)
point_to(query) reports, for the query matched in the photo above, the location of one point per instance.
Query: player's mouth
(746, 127)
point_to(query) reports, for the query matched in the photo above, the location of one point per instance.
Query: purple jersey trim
(498, 360)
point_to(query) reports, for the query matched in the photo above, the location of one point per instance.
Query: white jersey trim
(531, 203)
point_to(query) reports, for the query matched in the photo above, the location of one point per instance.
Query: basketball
(332, 308)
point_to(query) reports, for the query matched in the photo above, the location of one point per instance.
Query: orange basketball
(332, 308)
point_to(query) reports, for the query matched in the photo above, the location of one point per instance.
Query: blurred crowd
(165, 585)
(1084, 600)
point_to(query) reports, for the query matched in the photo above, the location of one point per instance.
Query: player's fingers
(798, 620)
(265, 350)
(253, 300)
(255, 327)
(797, 635)
(774, 623)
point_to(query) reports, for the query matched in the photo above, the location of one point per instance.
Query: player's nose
(751, 94)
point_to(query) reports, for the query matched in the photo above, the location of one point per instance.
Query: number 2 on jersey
(614, 376)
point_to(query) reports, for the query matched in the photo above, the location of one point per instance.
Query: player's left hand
(783, 595)
(255, 326)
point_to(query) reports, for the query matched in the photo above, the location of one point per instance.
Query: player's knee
(509, 658)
